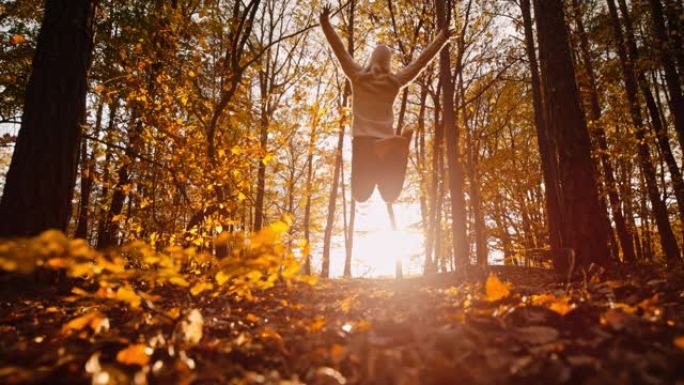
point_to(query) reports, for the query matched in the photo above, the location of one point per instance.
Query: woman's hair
(379, 63)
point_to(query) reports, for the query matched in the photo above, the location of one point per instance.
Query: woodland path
(521, 328)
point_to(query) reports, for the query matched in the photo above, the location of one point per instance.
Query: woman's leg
(394, 161)
(364, 167)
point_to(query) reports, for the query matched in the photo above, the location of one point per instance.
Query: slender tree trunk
(87, 170)
(667, 238)
(665, 55)
(40, 182)
(582, 232)
(435, 202)
(332, 202)
(547, 149)
(109, 235)
(456, 174)
(626, 243)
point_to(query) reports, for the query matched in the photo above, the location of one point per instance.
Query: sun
(377, 247)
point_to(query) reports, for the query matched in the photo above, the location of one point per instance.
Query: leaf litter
(506, 326)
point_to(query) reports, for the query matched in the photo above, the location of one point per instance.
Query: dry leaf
(679, 342)
(537, 335)
(94, 319)
(252, 318)
(200, 287)
(192, 327)
(17, 39)
(495, 289)
(137, 354)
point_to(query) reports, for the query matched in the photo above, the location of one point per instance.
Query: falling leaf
(136, 354)
(192, 327)
(495, 289)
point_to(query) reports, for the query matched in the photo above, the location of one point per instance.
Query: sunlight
(376, 246)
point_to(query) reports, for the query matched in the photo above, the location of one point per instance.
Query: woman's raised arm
(348, 64)
(411, 71)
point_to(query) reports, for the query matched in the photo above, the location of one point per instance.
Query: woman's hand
(325, 14)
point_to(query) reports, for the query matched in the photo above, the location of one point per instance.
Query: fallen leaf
(619, 320)
(679, 342)
(537, 335)
(97, 321)
(17, 39)
(136, 354)
(495, 289)
(252, 318)
(560, 305)
(192, 327)
(200, 287)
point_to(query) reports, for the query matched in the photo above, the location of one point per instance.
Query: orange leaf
(679, 342)
(495, 289)
(17, 39)
(94, 319)
(137, 354)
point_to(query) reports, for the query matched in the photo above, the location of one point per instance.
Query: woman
(378, 155)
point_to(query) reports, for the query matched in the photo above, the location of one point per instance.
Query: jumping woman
(379, 157)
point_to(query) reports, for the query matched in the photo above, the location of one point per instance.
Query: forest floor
(520, 328)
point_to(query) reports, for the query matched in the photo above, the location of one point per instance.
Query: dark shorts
(368, 170)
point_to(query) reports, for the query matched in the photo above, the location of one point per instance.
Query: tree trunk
(456, 174)
(547, 149)
(109, 235)
(330, 221)
(41, 177)
(667, 238)
(626, 243)
(87, 170)
(665, 55)
(565, 122)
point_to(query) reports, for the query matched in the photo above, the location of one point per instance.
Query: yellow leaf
(221, 277)
(317, 324)
(252, 318)
(560, 305)
(200, 287)
(346, 304)
(495, 289)
(254, 275)
(679, 342)
(127, 294)
(180, 281)
(137, 354)
(94, 319)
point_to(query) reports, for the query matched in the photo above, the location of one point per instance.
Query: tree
(41, 178)
(452, 134)
(667, 238)
(580, 230)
